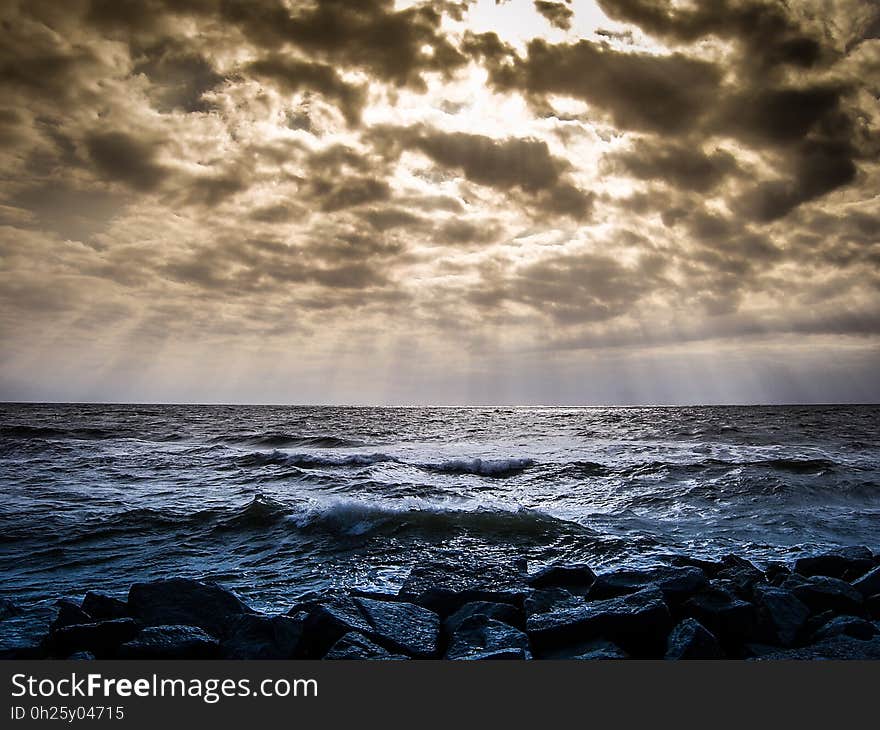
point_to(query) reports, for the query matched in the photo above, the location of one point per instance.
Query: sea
(276, 502)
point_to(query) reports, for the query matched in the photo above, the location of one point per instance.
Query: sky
(378, 202)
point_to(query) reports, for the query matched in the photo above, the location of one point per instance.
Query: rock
(480, 637)
(356, 646)
(837, 647)
(691, 640)
(184, 602)
(102, 638)
(576, 577)
(102, 607)
(872, 606)
(68, 613)
(170, 642)
(781, 615)
(676, 584)
(739, 576)
(503, 612)
(709, 567)
(846, 563)
(776, 573)
(250, 636)
(590, 651)
(869, 583)
(81, 656)
(403, 627)
(446, 587)
(8, 608)
(327, 622)
(729, 618)
(638, 622)
(821, 593)
(547, 600)
(857, 628)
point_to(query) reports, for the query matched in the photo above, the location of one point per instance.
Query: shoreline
(825, 606)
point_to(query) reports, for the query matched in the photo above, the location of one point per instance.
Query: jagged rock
(170, 642)
(503, 612)
(446, 587)
(81, 656)
(184, 602)
(740, 576)
(327, 622)
(102, 638)
(869, 583)
(821, 593)
(691, 640)
(676, 584)
(547, 600)
(709, 567)
(857, 628)
(776, 573)
(102, 607)
(404, 627)
(781, 615)
(872, 606)
(480, 637)
(638, 622)
(68, 614)
(589, 651)
(575, 577)
(8, 608)
(729, 618)
(845, 563)
(837, 647)
(356, 646)
(250, 636)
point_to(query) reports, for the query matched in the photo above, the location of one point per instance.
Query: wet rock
(869, 583)
(8, 608)
(102, 638)
(638, 622)
(68, 614)
(776, 573)
(675, 583)
(184, 602)
(872, 607)
(729, 618)
(589, 651)
(81, 656)
(356, 646)
(845, 563)
(446, 587)
(547, 600)
(691, 640)
(781, 615)
(251, 636)
(739, 576)
(575, 577)
(403, 627)
(480, 637)
(102, 607)
(837, 647)
(170, 642)
(857, 628)
(327, 622)
(709, 567)
(503, 612)
(821, 593)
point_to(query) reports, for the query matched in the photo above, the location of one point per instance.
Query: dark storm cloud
(558, 14)
(683, 165)
(121, 157)
(180, 76)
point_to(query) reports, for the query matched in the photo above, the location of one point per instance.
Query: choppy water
(276, 501)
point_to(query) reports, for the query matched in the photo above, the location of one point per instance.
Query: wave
(311, 461)
(481, 467)
(280, 440)
(50, 432)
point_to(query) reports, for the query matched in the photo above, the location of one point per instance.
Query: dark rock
(857, 628)
(403, 627)
(251, 636)
(102, 638)
(691, 640)
(589, 651)
(170, 642)
(776, 573)
(547, 600)
(781, 615)
(184, 602)
(872, 607)
(676, 584)
(638, 622)
(446, 587)
(503, 612)
(480, 637)
(576, 577)
(329, 621)
(845, 563)
(81, 656)
(356, 646)
(869, 583)
(102, 607)
(837, 647)
(68, 614)
(709, 567)
(729, 618)
(740, 576)
(8, 608)
(821, 593)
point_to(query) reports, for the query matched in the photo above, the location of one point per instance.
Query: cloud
(559, 15)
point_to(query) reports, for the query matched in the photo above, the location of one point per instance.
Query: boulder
(101, 607)
(81, 656)
(102, 638)
(402, 627)
(589, 651)
(327, 622)
(547, 600)
(170, 642)
(729, 618)
(691, 640)
(709, 567)
(184, 602)
(8, 608)
(781, 615)
(250, 636)
(68, 613)
(576, 577)
(446, 587)
(503, 612)
(857, 628)
(638, 622)
(821, 593)
(872, 607)
(776, 573)
(846, 563)
(869, 583)
(740, 576)
(676, 584)
(356, 646)
(480, 637)
(837, 647)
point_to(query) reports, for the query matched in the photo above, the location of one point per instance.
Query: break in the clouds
(476, 201)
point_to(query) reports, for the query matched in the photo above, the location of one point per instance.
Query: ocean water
(278, 501)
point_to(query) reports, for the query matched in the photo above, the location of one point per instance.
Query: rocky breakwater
(820, 607)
